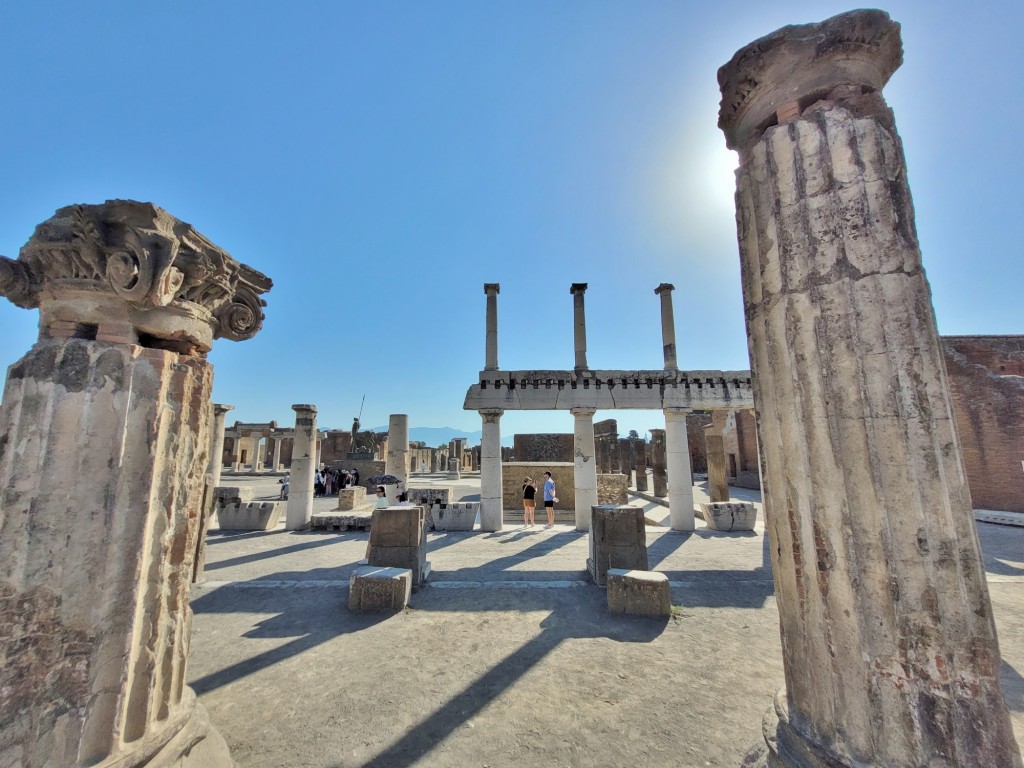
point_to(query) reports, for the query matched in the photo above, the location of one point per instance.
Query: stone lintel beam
(652, 390)
(129, 272)
(776, 77)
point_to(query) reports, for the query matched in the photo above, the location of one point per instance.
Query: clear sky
(381, 161)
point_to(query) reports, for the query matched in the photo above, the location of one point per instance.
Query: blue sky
(381, 161)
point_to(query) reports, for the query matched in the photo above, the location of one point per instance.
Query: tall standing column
(107, 437)
(236, 451)
(579, 326)
(492, 290)
(659, 472)
(300, 486)
(490, 472)
(584, 466)
(668, 326)
(256, 438)
(217, 447)
(397, 461)
(680, 477)
(277, 453)
(718, 479)
(640, 451)
(888, 640)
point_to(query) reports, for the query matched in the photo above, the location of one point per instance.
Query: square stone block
(377, 590)
(350, 498)
(618, 539)
(428, 496)
(638, 593)
(397, 527)
(729, 516)
(223, 495)
(250, 516)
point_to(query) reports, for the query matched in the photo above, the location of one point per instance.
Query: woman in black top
(529, 502)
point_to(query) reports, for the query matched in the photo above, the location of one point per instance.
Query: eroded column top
(129, 271)
(664, 287)
(803, 63)
(220, 408)
(492, 289)
(577, 288)
(304, 407)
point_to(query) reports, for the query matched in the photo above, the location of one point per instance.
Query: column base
(783, 747)
(188, 742)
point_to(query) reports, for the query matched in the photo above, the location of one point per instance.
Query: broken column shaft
(668, 326)
(888, 640)
(107, 435)
(491, 335)
(579, 325)
(299, 511)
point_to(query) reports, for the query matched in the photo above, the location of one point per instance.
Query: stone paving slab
(508, 656)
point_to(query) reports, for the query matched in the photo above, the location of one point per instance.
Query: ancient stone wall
(986, 389)
(543, 447)
(611, 489)
(335, 446)
(513, 472)
(695, 424)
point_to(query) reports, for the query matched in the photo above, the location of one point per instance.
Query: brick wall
(543, 447)
(986, 389)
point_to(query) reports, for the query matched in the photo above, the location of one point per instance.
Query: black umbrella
(383, 480)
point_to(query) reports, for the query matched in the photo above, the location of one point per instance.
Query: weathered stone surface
(889, 646)
(618, 539)
(223, 495)
(379, 590)
(134, 266)
(543, 447)
(341, 521)
(513, 473)
(718, 481)
(638, 593)
(427, 496)
(398, 539)
(458, 516)
(611, 490)
(351, 498)
(659, 467)
(729, 516)
(250, 516)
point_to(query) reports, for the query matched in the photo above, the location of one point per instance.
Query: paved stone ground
(508, 657)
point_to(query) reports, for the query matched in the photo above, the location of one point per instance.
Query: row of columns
(677, 450)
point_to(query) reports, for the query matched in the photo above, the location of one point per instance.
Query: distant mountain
(435, 436)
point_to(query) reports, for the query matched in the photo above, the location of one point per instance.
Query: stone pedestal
(680, 478)
(584, 466)
(351, 498)
(618, 539)
(379, 590)
(453, 469)
(397, 461)
(888, 641)
(300, 487)
(106, 427)
(490, 472)
(718, 481)
(659, 468)
(250, 516)
(398, 539)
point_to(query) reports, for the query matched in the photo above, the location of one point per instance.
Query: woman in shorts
(529, 502)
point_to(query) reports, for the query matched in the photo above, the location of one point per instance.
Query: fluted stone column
(107, 431)
(584, 466)
(490, 471)
(659, 472)
(680, 477)
(492, 290)
(668, 326)
(300, 486)
(579, 327)
(890, 650)
(640, 450)
(718, 478)
(397, 461)
(217, 449)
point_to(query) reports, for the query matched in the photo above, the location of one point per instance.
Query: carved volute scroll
(129, 262)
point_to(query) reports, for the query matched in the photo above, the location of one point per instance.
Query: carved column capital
(133, 266)
(219, 409)
(491, 415)
(774, 77)
(583, 412)
(492, 289)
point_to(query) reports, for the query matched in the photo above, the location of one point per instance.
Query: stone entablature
(651, 390)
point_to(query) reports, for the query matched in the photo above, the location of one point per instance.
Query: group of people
(530, 501)
(327, 481)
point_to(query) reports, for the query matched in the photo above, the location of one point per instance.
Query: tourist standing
(549, 499)
(529, 502)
